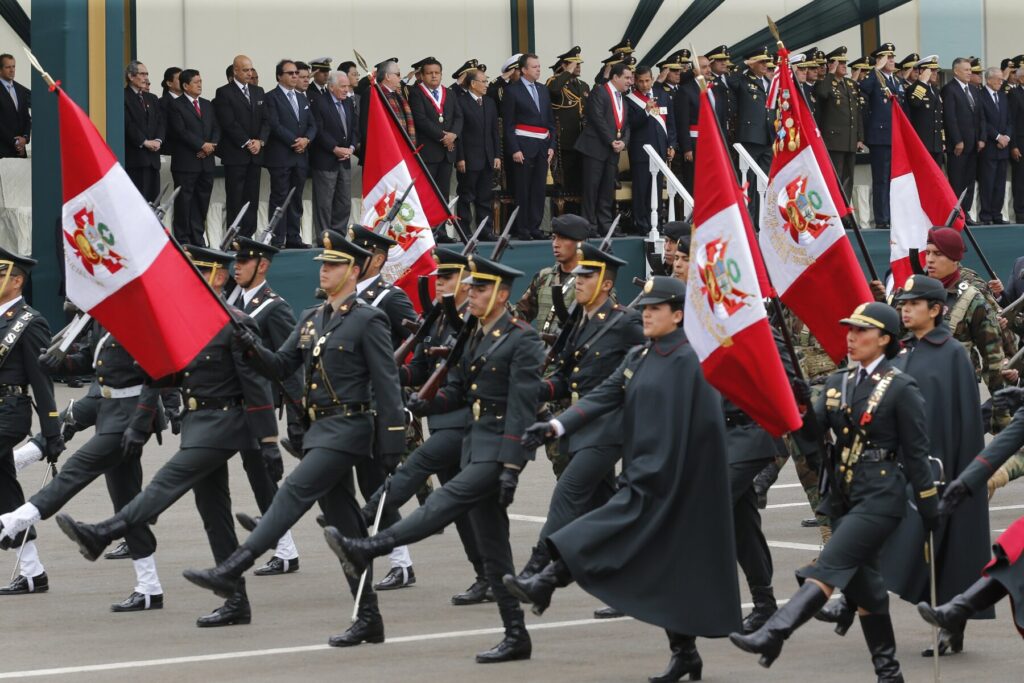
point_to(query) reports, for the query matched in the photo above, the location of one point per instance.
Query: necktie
(995, 99)
(14, 95)
(245, 91)
(970, 97)
(195, 105)
(480, 101)
(532, 88)
(862, 375)
(341, 114)
(437, 96)
(142, 101)
(294, 103)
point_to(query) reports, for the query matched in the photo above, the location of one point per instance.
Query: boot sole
(375, 640)
(519, 594)
(765, 660)
(117, 609)
(230, 622)
(43, 589)
(220, 590)
(514, 658)
(67, 525)
(347, 565)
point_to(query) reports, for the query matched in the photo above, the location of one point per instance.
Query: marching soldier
(632, 533)
(839, 118)
(228, 409)
(275, 319)
(498, 377)
(879, 88)
(568, 95)
(343, 348)
(20, 370)
(925, 104)
(877, 416)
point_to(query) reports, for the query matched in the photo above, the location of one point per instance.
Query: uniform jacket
(925, 104)
(645, 130)
(568, 98)
(166, 100)
(753, 118)
(502, 386)
(21, 368)
(330, 133)
(142, 122)
(240, 120)
(1016, 100)
(811, 97)
(977, 328)
(14, 122)
(429, 127)
(599, 126)
(285, 128)
(686, 112)
(996, 121)
(961, 122)
(191, 132)
(878, 112)
(395, 304)
(529, 307)
(480, 143)
(839, 117)
(517, 108)
(725, 104)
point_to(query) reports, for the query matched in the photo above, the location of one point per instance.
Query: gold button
(883, 473)
(846, 430)
(98, 363)
(313, 385)
(576, 369)
(473, 386)
(187, 373)
(99, 379)
(574, 385)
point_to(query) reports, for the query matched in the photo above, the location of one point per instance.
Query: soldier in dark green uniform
(343, 347)
(671, 518)
(228, 409)
(807, 78)
(601, 336)
(907, 71)
(568, 95)
(275, 319)
(839, 117)
(497, 377)
(925, 108)
(620, 52)
(23, 331)
(877, 417)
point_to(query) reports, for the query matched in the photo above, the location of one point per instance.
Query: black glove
(1008, 399)
(53, 448)
(956, 492)
(508, 480)
(245, 339)
(132, 442)
(418, 406)
(69, 427)
(930, 522)
(272, 459)
(390, 461)
(801, 391)
(50, 362)
(536, 435)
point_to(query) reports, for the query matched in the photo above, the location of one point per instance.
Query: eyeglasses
(290, 73)
(142, 73)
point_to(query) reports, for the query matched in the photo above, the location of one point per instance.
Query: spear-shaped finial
(775, 31)
(701, 82)
(360, 61)
(39, 67)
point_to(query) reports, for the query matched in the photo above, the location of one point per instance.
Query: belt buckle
(193, 404)
(476, 409)
(107, 393)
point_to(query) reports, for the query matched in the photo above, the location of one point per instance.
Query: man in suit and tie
(997, 132)
(477, 152)
(144, 130)
(245, 129)
(605, 135)
(331, 155)
(880, 87)
(196, 136)
(292, 129)
(438, 119)
(651, 122)
(530, 138)
(962, 123)
(15, 111)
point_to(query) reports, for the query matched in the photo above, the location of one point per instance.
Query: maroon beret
(948, 241)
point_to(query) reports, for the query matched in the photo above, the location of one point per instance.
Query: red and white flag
(119, 263)
(805, 248)
(388, 169)
(919, 197)
(725, 318)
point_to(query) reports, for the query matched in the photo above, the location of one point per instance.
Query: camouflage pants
(1011, 469)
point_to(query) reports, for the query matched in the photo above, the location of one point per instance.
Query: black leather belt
(877, 455)
(12, 390)
(481, 407)
(213, 403)
(346, 409)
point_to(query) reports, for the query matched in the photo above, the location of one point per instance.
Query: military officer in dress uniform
(568, 95)
(880, 87)
(343, 349)
(807, 77)
(497, 377)
(839, 117)
(859, 68)
(686, 111)
(925, 104)
(907, 71)
(670, 71)
(276, 320)
(23, 331)
(754, 121)
(127, 412)
(877, 417)
(723, 99)
(496, 91)
(228, 409)
(620, 52)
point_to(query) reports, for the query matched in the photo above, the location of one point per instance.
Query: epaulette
(519, 324)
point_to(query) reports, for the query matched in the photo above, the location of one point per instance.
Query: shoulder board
(519, 324)
(548, 82)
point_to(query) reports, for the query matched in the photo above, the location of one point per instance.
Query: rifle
(504, 242)
(562, 312)
(639, 282)
(915, 254)
(419, 335)
(232, 232)
(423, 290)
(454, 220)
(384, 225)
(155, 204)
(440, 374)
(1012, 309)
(561, 340)
(268, 233)
(161, 209)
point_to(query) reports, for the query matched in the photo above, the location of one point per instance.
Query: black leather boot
(767, 640)
(474, 595)
(92, 539)
(685, 660)
(882, 646)
(516, 644)
(764, 607)
(367, 628)
(537, 589)
(247, 521)
(234, 611)
(370, 508)
(839, 612)
(224, 579)
(539, 557)
(356, 554)
(952, 617)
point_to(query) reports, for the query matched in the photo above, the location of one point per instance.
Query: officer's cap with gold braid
(247, 248)
(887, 49)
(367, 239)
(922, 287)
(837, 55)
(337, 249)
(572, 55)
(875, 315)
(206, 258)
(720, 52)
(910, 61)
(486, 272)
(860, 63)
(470, 64)
(625, 46)
(676, 61)
(449, 262)
(929, 62)
(593, 260)
(660, 290)
(8, 258)
(976, 65)
(804, 61)
(760, 55)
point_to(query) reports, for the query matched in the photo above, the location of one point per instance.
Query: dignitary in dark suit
(244, 128)
(925, 105)
(170, 90)
(651, 122)
(605, 135)
(331, 154)
(391, 86)
(477, 152)
(530, 139)
(292, 129)
(15, 111)
(438, 119)
(880, 87)
(144, 131)
(997, 131)
(196, 136)
(839, 118)
(962, 122)
(1016, 100)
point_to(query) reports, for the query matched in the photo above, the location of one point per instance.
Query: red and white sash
(438, 107)
(617, 106)
(537, 132)
(640, 100)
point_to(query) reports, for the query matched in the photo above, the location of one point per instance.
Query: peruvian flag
(725, 319)
(805, 247)
(919, 197)
(120, 265)
(388, 169)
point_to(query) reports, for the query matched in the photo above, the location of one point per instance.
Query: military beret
(922, 287)
(673, 230)
(337, 249)
(661, 289)
(948, 241)
(875, 315)
(571, 225)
